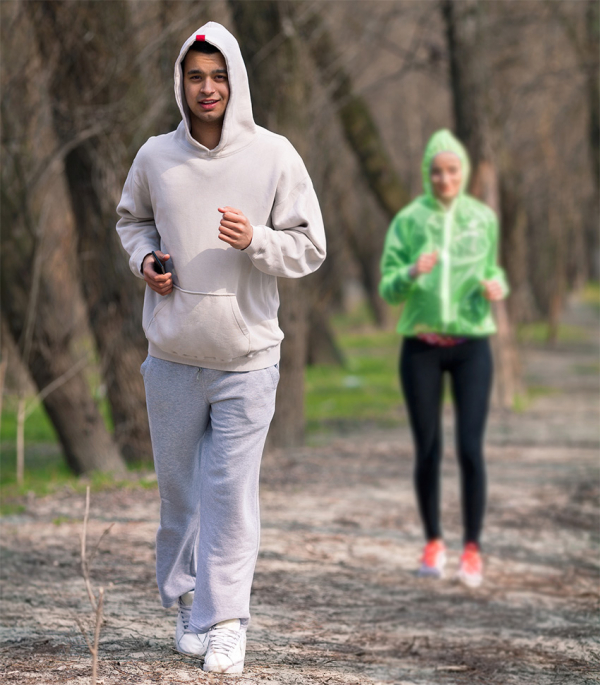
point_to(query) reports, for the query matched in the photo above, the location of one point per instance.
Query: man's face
(446, 176)
(206, 86)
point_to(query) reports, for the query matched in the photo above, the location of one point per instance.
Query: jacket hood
(238, 125)
(444, 141)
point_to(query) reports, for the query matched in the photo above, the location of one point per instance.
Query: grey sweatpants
(208, 430)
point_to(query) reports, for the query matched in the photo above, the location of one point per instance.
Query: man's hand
(492, 290)
(424, 264)
(235, 229)
(160, 283)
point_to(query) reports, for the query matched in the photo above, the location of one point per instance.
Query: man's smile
(208, 104)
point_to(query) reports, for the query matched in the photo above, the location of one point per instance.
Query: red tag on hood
(200, 37)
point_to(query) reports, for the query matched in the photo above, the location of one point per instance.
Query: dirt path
(335, 598)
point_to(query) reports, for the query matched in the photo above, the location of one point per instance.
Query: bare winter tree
(583, 32)
(41, 299)
(470, 78)
(272, 54)
(364, 139)
(87, 51)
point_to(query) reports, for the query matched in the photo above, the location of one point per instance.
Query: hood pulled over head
(444, 141)
(238, 124)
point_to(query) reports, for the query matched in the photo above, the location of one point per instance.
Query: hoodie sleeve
(136, 227)
(396, 263)
(493, 271)
(295, 245)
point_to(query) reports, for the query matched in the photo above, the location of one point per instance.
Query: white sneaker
(226, 648)
(470, 572)
(187, 641)
(433, 560)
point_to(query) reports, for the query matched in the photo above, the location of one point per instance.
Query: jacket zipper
(445, 258)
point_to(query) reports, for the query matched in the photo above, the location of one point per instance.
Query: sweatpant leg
(242, 406)
(471, 374)
(178, 414)
(421, 376)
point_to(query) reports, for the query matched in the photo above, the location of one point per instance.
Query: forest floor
(335, 597)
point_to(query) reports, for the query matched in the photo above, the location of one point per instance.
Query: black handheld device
(159, 267)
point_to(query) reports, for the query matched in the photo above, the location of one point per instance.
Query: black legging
(470, 367)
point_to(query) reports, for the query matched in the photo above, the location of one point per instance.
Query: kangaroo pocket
(200, 326)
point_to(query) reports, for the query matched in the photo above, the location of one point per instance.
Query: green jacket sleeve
(493, 271)
(396, 262)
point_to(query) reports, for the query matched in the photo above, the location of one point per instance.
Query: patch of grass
(537, 333)
(59, 520)
(523, 401)
(44, 463)
(46, 472)
(587, 369)
(38, 427)
(12, 509)
(367, 388)
(591, 294)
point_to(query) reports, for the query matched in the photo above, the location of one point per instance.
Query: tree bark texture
(278, 79)
(357, 121)
(593, 89)
(89, 84)
(365, 141)
(41, 299)
(470, 82)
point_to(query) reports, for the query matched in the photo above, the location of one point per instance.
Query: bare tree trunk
(364, 139)
(41, 300)
(287, 429)
(273, 56)
(55, 316)
(469, 78)
(515, 249)
(88, 86)
(358, 124)
(592, 61)
(586, 45)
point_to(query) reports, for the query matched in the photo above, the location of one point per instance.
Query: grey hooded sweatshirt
(222, 312)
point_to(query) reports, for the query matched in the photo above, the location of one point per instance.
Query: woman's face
(446, 176)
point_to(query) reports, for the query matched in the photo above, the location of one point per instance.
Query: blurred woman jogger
(440, 260)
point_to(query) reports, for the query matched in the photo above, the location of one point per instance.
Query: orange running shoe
(433, 560)
(470, 572)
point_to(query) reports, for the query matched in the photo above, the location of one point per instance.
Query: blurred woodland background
(358, 87)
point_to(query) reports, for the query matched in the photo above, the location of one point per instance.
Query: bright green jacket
(450, 298)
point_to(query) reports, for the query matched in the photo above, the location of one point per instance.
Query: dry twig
(96, 602)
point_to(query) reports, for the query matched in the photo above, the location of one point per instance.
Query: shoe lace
(223, 640)
(471, 559)
(186, 614)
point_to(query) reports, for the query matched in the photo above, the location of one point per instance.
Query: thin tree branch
(84, 564)
(57, 382)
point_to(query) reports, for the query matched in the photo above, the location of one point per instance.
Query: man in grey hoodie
(228, 207)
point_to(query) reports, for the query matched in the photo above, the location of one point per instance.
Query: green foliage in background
(366, 388)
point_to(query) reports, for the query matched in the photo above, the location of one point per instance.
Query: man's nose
(207, 86)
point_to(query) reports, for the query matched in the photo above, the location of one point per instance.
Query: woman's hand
(160, 283)
(424, 264)
(492, 290)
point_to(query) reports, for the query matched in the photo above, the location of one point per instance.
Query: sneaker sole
(468, 582)
(435, 573)
(191, 656)
(234, 669)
